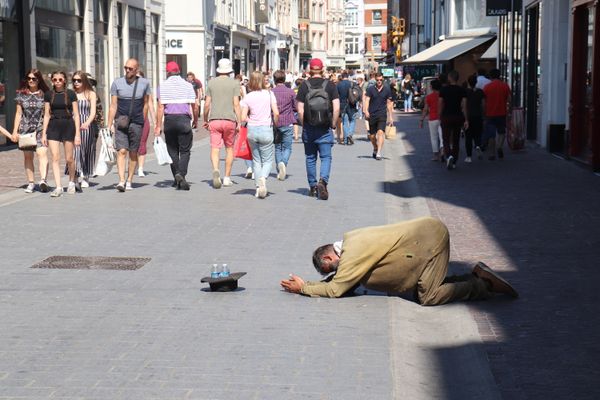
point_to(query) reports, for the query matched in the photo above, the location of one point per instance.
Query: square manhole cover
(77, 262)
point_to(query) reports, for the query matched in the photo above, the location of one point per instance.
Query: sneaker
(450, 162)
(249, 173)
(30, 187)
(128, 186)
(468, 160)
(479, 153)
(43, 186)
(349, 141)
(500, 154)
(322, 190)
(57, 192)
(378, 157)
(121, 187)
(217, 179)
(71, 189)
(256, 194)
(282, 172)
(84, 183)
(227, 181)
(313, 191)
(141, 173)
(262, 188)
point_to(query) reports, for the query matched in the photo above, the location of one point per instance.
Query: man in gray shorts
(128, 140)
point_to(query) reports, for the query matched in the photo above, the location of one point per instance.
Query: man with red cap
(177, 103)
(318, 113)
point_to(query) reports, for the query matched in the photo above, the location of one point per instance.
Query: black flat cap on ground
(225, 284)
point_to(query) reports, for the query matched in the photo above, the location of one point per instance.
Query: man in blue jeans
(322, 103)
(348, 111)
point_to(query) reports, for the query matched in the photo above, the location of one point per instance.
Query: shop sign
(254, 44)
(174, 43)
(495, 8)
(261, 11)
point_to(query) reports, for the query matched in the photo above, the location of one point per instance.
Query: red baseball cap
(316, 64)
(172, 67)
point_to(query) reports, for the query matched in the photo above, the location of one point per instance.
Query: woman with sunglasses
(85, 154)
(61, 125)
(29, 117)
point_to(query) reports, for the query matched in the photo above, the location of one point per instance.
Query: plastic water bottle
(214, 272)
(225, 271)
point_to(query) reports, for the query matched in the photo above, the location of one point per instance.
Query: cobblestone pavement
(156, 333)
(535, 218)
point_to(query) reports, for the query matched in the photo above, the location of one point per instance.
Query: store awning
(447, 50)
(492, 52)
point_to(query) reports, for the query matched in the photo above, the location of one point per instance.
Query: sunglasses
(32, 78)
(76, 80)
(58, 80)
(379, 80)
(128, 68)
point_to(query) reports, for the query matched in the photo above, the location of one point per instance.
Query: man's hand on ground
(292, 285)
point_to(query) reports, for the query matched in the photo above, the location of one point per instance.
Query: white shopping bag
(160, 149)
(102, 167)
(110, 155)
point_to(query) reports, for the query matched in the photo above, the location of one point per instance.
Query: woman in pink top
(431, 109)
(259, 110)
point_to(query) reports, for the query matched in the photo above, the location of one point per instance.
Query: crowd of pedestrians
(476, 110)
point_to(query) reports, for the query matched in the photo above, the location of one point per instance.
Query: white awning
(447, 50)
(492, 52)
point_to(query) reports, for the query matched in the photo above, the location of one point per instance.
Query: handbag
(162, 154)
(102, 167)
(122, 121)
(390, 132)
(241, 146)
(110, 155)
(28, 141)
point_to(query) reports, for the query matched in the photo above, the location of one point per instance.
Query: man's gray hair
(318, 260)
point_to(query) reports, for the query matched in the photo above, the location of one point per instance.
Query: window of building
(377, 17)
(137, 36)
(62, 6)
(352, 45)
(351, 18)
(376, 40)
(470, 14)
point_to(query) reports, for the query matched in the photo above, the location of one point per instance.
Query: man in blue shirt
(378, 109)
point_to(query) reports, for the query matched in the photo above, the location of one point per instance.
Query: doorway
(532, 69)
(585, 138)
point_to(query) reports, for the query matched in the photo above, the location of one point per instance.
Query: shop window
(470, 14)
(58, 49)
(62, 6)
(137, 36)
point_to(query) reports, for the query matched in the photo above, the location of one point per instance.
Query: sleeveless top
(84, 106)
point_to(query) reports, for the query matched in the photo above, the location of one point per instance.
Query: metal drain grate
(76, 262)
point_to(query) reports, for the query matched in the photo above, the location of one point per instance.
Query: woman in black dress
(61, 124)
(29, 117)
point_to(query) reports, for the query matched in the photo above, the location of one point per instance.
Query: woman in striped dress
(85, 155)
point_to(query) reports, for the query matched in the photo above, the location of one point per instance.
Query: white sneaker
(71, 188)
(141, 173)
(378, 156)
(43, 185)
(249, 173)
(227, 181)
(30, 187)
(282, 172)
(128, 186)
(57, 192)
(468, 160)
(262, 188)
(85, 183)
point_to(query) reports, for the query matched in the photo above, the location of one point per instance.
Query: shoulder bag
(122, 121)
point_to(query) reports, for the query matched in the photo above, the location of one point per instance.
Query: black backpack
(318, 110)
(354, 94)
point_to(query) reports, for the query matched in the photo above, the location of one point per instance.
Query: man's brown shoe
(498, 285)
(322, 190)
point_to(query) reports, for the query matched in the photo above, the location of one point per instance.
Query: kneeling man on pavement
(407, 256)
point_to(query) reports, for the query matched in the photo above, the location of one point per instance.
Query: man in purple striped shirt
(286, 103)
(177, 102)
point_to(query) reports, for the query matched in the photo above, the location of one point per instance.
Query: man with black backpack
(350, 95)
(318, 113)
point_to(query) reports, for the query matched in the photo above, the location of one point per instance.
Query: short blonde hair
(256, 81)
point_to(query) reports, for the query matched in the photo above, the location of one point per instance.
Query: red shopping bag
(241, 147)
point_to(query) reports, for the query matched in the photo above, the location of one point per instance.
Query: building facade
(375, 23)
(304, 32)
(336, 57)
(96, 36)
(354, 33)
(318, 29)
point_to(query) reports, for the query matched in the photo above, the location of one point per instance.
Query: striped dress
(85, 155)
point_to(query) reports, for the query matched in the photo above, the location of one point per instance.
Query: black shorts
(377, 123)
(61, 130)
